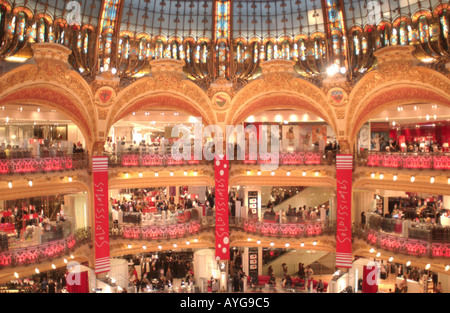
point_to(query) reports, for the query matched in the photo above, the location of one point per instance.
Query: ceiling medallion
(105, 96)
(337, 96)
(221, 99)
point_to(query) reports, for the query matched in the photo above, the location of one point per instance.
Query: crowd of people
(292, 214)
(159, 273)
(414, 146)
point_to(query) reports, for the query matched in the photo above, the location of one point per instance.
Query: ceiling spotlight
(316, 173)
(395, 177)
(129, 246)
(258, 242)
(195, 240)
(30, 183)
(272, 244)
(381, 176)
(16, 275)
(314, 243)
(447, 268)
(272, 173)
(448, 180)
(249, 239)
(408, 263)
(427, 267)
(144, 247)
(36, 270)
(65, 261)
(54, 266)
(378, 254)
(287, 244)
(185, 173)
(171, 173)
(188, 243)
(195, 173)
(431, 180)
(72, 257)
(391, 259)
(413, 179)
(159, 247)
(302, 244)
(371, 250)
(304, 173)
(70, 178)
(288, 173)
(259, 174)
(140, 175)
(156, 174)
(248, 172)
(175, 245)
(372, 175)
(10, 185)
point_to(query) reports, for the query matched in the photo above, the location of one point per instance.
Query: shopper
(320, 286)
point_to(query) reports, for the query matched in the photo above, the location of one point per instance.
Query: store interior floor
(383, 286)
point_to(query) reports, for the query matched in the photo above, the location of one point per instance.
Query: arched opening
(31, 131)
(403, 157)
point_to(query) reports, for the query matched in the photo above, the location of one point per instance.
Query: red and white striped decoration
(344, 168)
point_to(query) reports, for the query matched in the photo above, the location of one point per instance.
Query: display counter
(413, 286)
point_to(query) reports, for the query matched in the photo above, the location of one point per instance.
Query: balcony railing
(136, 159)
(148, 160)
(60, 163)
(407, 237)
(45, 251)
(437, 161)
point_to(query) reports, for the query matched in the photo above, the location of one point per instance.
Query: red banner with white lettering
(101, 207)
(221, 202)
(344, 168)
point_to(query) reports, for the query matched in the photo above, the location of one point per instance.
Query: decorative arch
(162, 92)
(379, 90)
(53, 87)
(280, 92)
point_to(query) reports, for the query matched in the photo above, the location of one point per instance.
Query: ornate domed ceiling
(227, 40)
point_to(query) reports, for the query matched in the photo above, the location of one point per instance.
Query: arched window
(444, 24)
(270, 53)
(204, 56)
(302, 49)
(394, 37)
(295, 52)
(159, 50)
(356, 44)
(423, 29)
(142, 48)
(403, 34)
(182, 53)
(239, 53)
(86, 42)
(175, 50)
(20, 29)
(286, 50)
(41, 31)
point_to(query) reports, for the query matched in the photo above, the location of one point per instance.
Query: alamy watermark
(374, 16)
(237, 138)
(74, 274)
(73, 9)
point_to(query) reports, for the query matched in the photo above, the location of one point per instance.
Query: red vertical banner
(221, 201)
(101, 208)
(344, 168)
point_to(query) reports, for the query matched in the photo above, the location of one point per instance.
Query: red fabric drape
(83, 287)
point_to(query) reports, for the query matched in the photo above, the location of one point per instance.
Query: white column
(260, 261)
